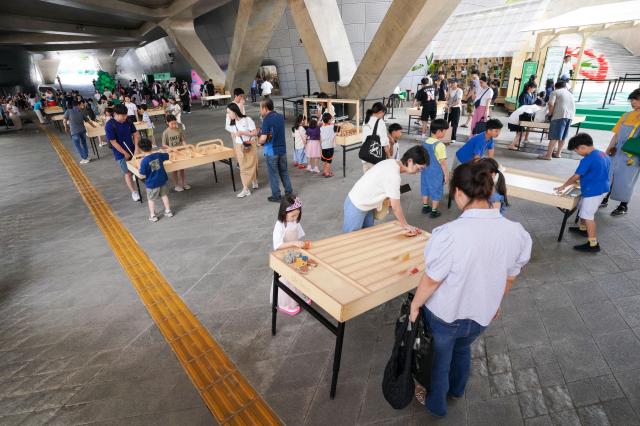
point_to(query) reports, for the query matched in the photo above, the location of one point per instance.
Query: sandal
(514, 148)
(542, 157)
(421, 395)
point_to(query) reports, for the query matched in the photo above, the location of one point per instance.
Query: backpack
(371, 149)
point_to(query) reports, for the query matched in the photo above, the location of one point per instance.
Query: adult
(548, 89)
(254, 90)
(625, 169)
(482, 103)
(373, 116)
(562, 109)
(567, 69)
(14, 115)
(272, 137)
(74, 119)
(124, 138)
(454, 107)
(471, 264)
(185, 97)
(38, 107)
(238, 99)
(426, 97)
(528, 95)
(442, 87)
(381, 182)
(474, 88)
(243, 131)
(267, 87)
(523, 113)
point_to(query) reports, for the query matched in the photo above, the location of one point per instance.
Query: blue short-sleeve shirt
(121, 133)
(477, 145)
(273, 123)
(152, 168)
(594, 174)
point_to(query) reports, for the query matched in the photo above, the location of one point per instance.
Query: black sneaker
(619, 211)
(578, 231)
(435, 213)
(274, 199)
(587, 248)
(426, 209)
(604, 203)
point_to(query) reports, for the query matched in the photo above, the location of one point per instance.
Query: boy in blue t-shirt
(476, 147)
(152, 167)
(124, 140)
(593, 173)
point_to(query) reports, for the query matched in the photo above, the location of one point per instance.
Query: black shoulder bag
(371, 149)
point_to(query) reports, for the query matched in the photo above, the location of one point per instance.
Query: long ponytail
(499, 182)
(375, 108)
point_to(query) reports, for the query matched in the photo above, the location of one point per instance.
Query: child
(172, 137)
(328, 143)
(132, 110)
(312, 149)
(288, 234)
(299, 139)
(476, 147)
(593, 173)
(176, 110)
(435, 175)
(152, 167)
(498, 199)
(147, 119)
(395, 131)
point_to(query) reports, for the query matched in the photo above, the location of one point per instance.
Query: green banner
(529, 68)
(162, 76)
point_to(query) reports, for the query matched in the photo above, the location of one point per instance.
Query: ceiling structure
(55, 25)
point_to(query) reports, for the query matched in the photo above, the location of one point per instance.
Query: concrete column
(255, 22)
(48, 69)
(107, 64)
(407, 29)
(183, 35)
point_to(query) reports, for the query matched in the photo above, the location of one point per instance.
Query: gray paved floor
(77, 346)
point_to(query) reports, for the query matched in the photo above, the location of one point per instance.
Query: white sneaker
(135, 196)
(178, 189)
(168, 213)
(309, 168)
(254, 185)
(243, 193)
(153, 218)
(85, 161)
(186, 186)
(316, 170)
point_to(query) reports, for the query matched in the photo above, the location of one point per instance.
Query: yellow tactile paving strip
(226, 392)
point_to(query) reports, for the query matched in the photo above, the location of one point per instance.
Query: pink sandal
(292, 313)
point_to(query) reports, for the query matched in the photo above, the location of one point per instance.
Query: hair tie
(297, 204)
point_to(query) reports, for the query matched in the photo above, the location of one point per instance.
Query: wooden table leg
(337, 355)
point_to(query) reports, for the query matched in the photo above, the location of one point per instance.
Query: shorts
(327, 155)
(432, 186)
(122, 163)
(589, 206)
(470, 107)
(559, 129)
(425, 115)
(156, 193)
(149, 133)
(514, 128)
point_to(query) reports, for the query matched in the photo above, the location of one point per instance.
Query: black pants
(254, 92)
(454, 119)
(186, 104)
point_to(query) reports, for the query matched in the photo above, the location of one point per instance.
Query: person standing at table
(454, 105)
(243, 131)
(238, 99)
(479, 145)
(173, 137)
(426, 96)
(124, 138)
(562, 108)
(73, 121)
(272, 137)
(471, 264)
(38, 107)
(375, 117)
(625, 168)
(379, 183)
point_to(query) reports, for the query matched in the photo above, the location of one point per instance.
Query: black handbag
(398, 386)
(371, 149)
(422, 346)
(480, 127)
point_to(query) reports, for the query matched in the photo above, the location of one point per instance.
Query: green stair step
(597, 125)
(599, 112)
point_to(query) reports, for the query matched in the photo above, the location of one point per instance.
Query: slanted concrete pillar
(48, 69)
(407, 29)
(107, 64)
(255, 22)
(183, 35)
(324, 39)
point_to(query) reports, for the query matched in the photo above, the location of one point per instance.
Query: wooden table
(57, 121)
(539, 188)
(356, 272)
(186, 157)
(53, 110)
(216, 97)
(417, 112)
(153, 112)
(543, 128)
(94, 133)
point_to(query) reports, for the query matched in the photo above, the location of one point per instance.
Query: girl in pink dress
(312, 149)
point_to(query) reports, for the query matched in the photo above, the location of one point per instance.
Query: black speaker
(333, 71)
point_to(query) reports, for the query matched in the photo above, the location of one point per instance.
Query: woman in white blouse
(243, 131)
(470, 265)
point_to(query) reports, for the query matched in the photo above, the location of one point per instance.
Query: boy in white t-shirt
(132, 110)
(327, 143)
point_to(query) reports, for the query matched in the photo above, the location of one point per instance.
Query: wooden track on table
(216, 97)
(539, 188)
(441, 106)
(545, 126)
(185, 157)
(357, 271)
(53, 110)
(58, 117)
(94, 132)
(349, 140)
(155, 111)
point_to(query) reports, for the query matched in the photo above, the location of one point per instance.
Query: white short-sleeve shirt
(380, 182)
(283, 229)
(132, 109)
(244, 124)
(472, 258)
(299, 137)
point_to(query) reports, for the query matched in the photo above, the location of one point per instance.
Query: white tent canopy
(593, 18)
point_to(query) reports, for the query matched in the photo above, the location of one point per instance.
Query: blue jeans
(80, 141)
(451, 359)
(277, 167)
(354, 218)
